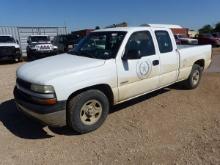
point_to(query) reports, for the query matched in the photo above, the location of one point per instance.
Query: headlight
(42, 88)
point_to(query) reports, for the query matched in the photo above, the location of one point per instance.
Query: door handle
(155, 62)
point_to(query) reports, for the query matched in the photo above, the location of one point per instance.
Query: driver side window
(142, 43)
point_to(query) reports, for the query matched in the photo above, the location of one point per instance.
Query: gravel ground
(170, 126)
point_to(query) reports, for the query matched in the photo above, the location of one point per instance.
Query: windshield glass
(100, 45)
(40, 38)
(6, 39)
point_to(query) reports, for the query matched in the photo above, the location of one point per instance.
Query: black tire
(19, 59)
(55, 53)
(75, 106)
(191, 82)
(29, 56)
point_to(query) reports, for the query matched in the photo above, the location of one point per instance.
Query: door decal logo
(143, 69)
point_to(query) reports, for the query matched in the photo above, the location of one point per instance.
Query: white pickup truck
(108, 67)
(9, 48)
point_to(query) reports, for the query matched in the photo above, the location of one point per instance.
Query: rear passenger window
(142, 42)
(164, 41)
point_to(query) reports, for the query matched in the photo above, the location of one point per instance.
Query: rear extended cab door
(168, 56)
(138, 76)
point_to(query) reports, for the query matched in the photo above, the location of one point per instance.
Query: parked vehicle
(40, 46)
(66, 42)
(185, 40)
(216, 35)
(9, 48)
(204, 39)
(178, 42)
(108, 67)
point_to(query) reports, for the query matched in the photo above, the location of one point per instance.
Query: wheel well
(106, 89)
(201, 63)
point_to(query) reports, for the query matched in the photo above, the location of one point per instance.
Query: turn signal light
(46, 101)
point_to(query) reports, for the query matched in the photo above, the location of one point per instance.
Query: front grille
(23, 84)
(21, 95)
(7, 50)
(45, 47)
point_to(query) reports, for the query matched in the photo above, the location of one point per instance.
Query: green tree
(206, 29)
(217, 27)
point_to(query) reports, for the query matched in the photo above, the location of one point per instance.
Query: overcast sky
(78, 14)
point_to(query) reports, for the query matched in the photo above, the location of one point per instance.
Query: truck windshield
(40, 39)
(100, 45)
(6, 39)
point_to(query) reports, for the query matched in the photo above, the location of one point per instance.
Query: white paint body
(10, 44)
(68, 73)
(16, 45)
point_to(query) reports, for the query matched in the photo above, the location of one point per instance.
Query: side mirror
(131, 54)
(28, 41)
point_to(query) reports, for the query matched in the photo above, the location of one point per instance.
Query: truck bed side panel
(189, 55)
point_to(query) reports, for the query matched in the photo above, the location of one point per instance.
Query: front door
(140, 75)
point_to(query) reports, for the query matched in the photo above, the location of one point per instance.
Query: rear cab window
(164, 41)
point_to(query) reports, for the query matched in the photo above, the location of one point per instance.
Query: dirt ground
(170, 126)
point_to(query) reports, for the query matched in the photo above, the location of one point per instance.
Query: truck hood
(43, 70)
(10, 44)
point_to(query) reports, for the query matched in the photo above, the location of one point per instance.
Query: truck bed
(188, 46)
(189, 54)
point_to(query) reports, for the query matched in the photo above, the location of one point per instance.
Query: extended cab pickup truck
(108, 67)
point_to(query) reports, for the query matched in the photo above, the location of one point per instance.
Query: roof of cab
(139, 28)
(170, 26)
(125, 29)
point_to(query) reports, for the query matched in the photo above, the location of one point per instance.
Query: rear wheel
(87, 111)
(194, 78)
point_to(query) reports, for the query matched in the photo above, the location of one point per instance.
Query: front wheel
(29, 56)
(87, 111)
(19, 59)
(194, 78)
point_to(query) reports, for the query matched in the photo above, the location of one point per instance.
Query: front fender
(66, 85)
